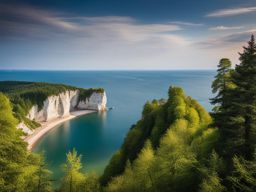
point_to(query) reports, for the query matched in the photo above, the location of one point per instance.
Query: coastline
(47, 126)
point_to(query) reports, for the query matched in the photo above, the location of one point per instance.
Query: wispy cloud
(228, 40)
(35, 22)
(224, 28)
(32, 15)
(83, 42)
(186, 23)
(231, 12)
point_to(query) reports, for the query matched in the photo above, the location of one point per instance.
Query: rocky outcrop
(54, 106)
(61, 105)
(95, 102)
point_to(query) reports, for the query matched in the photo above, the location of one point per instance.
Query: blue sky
(123, 34)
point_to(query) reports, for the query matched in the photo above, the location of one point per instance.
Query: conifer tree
(221, 84)
(236, 117)
(243, 177)
(245, 97)
(43, 175)
(73, 178)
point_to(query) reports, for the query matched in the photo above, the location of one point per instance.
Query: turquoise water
(97, 136)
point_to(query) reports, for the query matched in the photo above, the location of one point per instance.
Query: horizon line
(76, 70)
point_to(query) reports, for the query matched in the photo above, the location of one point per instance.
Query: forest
(23, 95)
(176, 146)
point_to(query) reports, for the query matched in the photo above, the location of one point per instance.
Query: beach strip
(47, 126)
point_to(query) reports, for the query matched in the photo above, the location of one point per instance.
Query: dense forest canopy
(176, 146)
(172, 143)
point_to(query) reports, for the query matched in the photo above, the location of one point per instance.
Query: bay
(97, 136)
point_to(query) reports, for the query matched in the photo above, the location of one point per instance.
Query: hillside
(172, 141)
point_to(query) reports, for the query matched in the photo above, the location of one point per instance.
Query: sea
(97, 136)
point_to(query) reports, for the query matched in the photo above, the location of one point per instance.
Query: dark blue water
(97, 136)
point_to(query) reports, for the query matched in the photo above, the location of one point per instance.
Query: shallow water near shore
(98, 135)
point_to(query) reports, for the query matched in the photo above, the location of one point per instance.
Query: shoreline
(49, 125)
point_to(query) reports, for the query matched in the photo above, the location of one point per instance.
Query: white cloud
(186, 23)
(109, 42)
(124, 29)
(223, 28)
(232, 11)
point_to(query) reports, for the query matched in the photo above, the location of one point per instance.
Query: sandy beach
(47, 126)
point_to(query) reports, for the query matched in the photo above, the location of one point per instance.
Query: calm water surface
(97, 136)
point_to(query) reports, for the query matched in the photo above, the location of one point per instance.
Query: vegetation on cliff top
(86, 93)
(23, 95)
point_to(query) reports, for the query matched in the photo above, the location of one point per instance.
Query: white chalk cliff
(61, 105)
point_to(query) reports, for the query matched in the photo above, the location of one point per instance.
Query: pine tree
(222, 84)
(43, 175)
(245, 94)
(73, 179)
(211, 181)
(243, 177)
(236, 116)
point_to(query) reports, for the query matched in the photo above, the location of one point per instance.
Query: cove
(97, 136)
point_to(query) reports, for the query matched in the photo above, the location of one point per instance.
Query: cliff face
(61, 105)
(97, 101)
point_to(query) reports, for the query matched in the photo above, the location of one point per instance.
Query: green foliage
(24, 95)
(74, 180)
(91, 183)
(35, 93)
(243, 177)
(236, 117)
(86, 93)
(20, 170)
(183, 141)
(36, 176)
(137, 177)
(115, 167)
(222, 80)
(212, 181)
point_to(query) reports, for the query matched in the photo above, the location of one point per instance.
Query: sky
(123, 34)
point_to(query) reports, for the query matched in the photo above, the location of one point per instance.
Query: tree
(13, 154)
(212, 181)
(137, 177)
(222, 83)
(73, 178)
(243, 177)
(19, 169)
(43, 175)
(91, 183)
(245, 94)
(236, 116)
(143, 175)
